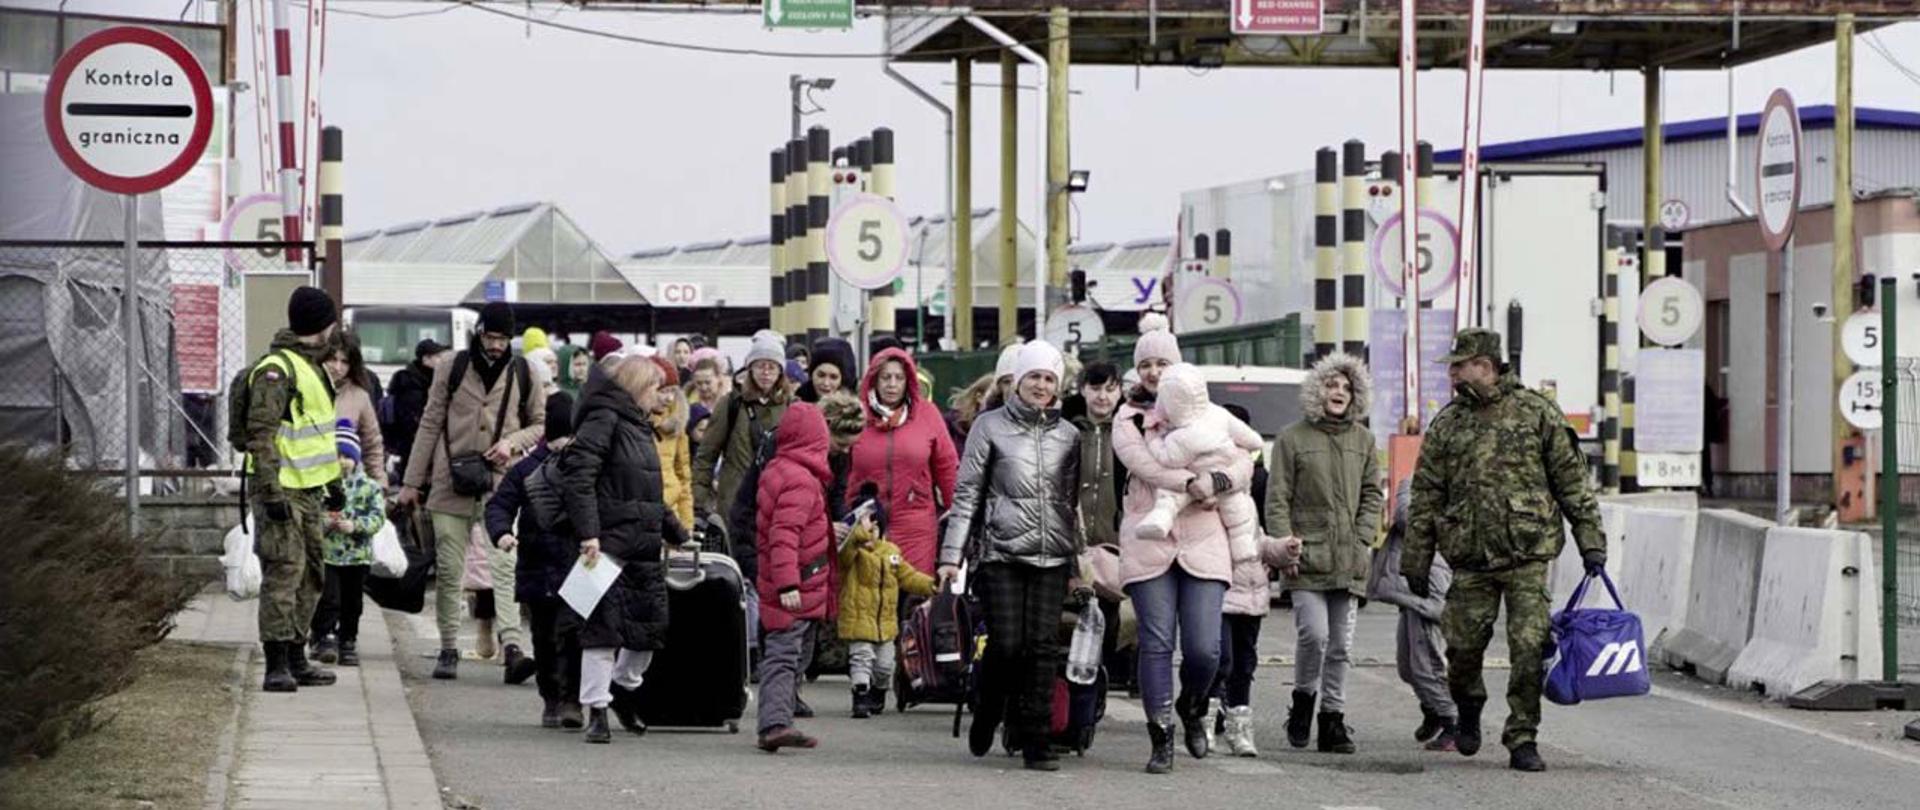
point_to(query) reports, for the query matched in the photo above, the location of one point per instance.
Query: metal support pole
(332, 213)
(881, 315)
(130, 304)
(1326, 251)
(777, 241)
(290, 191)
(1010, 79)
(1059, 222)
(1009, 196)
(1653, 261)
(1889, 480)
(1353, 249)
(819, 208)
(1843, 260)
(1783, 411)
(946, 113)
(797, 240)
(1610, 369)
(960, 215)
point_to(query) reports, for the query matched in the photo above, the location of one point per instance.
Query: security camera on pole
(1777, 172)
(129, 111)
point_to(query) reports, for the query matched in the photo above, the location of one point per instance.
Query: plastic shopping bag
(1601, 651)
(389, 559)
(242, 564)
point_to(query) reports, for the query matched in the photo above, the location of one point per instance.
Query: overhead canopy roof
(538, 253)
(1547, 34)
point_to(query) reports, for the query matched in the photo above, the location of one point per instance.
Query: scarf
(889, 418)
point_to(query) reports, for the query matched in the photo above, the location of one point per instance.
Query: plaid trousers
(1022, 605)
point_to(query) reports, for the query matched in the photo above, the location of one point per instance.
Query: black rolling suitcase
(700, 679)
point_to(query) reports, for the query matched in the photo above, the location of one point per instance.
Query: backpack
(544, 503)
(743, 514)
(937, 646)
(240, 399)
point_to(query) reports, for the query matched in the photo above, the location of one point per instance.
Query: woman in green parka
(1325, 490)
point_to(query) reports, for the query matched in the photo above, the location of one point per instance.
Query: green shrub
(78, 598)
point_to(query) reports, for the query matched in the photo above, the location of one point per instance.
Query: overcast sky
(646, 146)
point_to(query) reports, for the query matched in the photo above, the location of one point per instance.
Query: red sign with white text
(1275, 17)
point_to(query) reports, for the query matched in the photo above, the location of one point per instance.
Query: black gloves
(1420, 586)
(279, 511)
(1596, 561)
(336, 496)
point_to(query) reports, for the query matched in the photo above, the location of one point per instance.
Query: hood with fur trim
(1183, 394)
(1313, 393)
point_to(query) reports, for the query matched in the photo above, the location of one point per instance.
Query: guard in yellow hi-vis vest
(293, 473)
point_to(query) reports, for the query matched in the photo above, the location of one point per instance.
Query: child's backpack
(743, 514)
(543, 487)
(937, 648)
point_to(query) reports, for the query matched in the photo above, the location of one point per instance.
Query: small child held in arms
(873, 575)
(348, 545)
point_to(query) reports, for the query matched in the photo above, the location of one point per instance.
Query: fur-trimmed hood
(1313, 399)
(674, 421)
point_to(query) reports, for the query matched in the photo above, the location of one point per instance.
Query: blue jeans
(1177, 602)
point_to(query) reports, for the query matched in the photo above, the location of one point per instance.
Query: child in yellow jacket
(872, 577)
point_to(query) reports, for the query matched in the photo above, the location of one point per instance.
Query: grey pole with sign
(1777, 172)
(1889, 480)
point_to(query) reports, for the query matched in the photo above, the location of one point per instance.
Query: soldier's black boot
(304, 673)
(278, 679)
(1431, 725)
(1300, 719)
(1160, 731)
(597, 731)
(1333, 734)
(1526, 758)
(1194, 721)
(1467, 734)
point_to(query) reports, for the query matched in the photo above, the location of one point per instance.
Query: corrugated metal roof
(1818, 116)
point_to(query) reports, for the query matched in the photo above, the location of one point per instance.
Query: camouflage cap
(1471, 343)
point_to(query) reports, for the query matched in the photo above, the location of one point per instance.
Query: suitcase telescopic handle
(682, 579)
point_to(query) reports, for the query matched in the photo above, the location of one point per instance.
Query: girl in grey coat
(1017, 501)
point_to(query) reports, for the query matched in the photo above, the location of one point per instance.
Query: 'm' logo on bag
(1616, 658)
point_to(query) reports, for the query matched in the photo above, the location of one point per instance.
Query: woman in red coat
(796, 577)
(907, 453)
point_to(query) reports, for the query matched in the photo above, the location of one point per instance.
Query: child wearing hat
(873, 574)
(347, 547)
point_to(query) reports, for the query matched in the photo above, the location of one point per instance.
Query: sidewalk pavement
(350, 745)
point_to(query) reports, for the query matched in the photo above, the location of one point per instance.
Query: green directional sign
(807, 13)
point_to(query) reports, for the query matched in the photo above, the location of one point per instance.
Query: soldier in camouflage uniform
(1498, 470)
(294, 479)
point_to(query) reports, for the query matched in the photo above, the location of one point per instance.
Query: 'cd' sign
(129, 110)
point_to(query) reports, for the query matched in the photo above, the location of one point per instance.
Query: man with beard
(481, 415)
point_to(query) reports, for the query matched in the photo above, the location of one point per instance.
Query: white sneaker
(1240, 731)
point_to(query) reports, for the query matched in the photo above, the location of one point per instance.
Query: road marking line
(1763, 717)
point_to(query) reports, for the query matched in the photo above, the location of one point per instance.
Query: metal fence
(63, 348)
(1907, 424)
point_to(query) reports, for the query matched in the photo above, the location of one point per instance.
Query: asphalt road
(1687, 745)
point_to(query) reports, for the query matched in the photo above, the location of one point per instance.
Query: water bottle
(1083, 657)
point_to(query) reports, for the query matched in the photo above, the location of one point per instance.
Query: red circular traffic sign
(1777, 169)
(129, 110)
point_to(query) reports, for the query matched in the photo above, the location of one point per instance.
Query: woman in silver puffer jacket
(1016, 499)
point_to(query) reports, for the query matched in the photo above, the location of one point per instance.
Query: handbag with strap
(1601, 652)
(472, 474)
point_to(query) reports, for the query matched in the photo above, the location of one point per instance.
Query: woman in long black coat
(614, 499)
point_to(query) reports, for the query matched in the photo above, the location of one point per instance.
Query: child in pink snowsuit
(1204, 439)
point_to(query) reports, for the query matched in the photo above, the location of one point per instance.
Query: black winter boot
(326, 650)
(1194, 721)
(1526, 758)
(447, 667)
(625, 711)
(303, 672)
(1160, 731)
(1039, 756)
(518, 666)
(1300, 719)
(1467, 734)
(570, 716)
(349, 652)
(597, 731)
(550, 713)
(986, 720)
(878, 703)
(1334, 738)
(1431, 724)
(278, 679)
(862, 696)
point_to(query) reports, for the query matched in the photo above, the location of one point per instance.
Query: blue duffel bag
(1600, 652)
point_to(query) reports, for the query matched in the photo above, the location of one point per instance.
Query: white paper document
(584, 586)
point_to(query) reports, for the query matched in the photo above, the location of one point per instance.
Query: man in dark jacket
(409, 388)
(545, 558)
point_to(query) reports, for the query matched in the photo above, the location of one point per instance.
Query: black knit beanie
(310, 311)
(496, 318)
(559, 416)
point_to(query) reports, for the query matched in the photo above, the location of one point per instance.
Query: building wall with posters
(1740, 280)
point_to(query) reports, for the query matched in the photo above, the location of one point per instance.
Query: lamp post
(798, 86)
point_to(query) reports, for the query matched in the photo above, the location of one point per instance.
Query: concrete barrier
(1677, 499)
(1657, 547)
(1567, 570)
(1720, 596)
(1817, 615)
